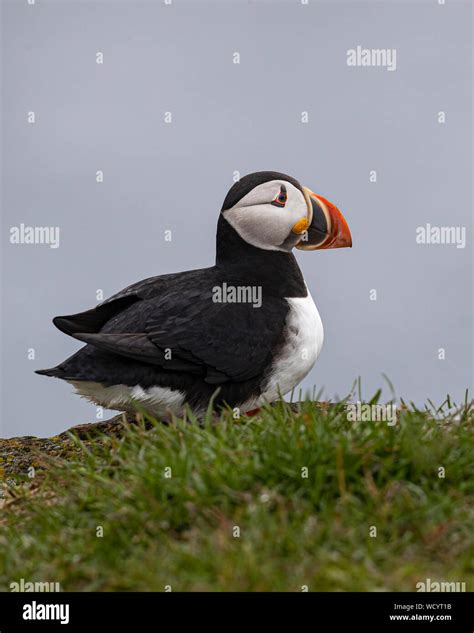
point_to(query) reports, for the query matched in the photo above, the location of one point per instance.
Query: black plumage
(168, 331)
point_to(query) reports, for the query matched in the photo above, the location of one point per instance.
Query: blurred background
(290, 103)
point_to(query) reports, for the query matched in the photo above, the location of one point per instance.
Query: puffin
(238, 334)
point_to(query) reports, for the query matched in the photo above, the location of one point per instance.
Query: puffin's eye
(281, 198)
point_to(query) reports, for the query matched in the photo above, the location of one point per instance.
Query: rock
(19, 454)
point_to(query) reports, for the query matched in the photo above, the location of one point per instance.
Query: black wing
(179, 327)
(95, 319)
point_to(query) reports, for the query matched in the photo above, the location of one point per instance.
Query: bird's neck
(276, 271)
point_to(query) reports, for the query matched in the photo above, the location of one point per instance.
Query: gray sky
(243, 117)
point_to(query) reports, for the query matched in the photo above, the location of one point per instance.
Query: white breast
(304, 337)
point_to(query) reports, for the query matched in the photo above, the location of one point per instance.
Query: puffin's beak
(327, 226)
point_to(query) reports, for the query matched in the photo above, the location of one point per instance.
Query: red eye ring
(281, 198)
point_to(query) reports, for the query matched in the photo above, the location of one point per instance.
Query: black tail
(56, 372)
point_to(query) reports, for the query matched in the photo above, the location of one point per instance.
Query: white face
(260, 222)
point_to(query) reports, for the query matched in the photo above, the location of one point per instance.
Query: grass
(236, 512)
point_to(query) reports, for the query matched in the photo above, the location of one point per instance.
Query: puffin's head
(272, 211)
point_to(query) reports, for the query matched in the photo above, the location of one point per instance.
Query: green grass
(247, 473)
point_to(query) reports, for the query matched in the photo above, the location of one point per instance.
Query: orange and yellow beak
(325, 227)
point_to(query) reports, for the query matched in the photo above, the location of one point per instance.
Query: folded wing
(180, 328)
